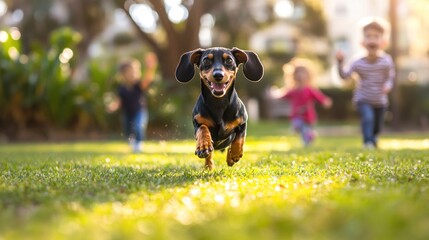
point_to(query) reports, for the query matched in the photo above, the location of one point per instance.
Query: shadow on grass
(47, 184)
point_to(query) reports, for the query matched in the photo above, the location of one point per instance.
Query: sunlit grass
(397, 144)
(279, 190)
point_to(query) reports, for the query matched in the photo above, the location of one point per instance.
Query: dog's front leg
(235, 152)
(204, 147)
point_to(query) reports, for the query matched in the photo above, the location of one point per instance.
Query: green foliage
(414, 104)
(170, 108)
(37, 90)
(92, 95)
(342, 108)
(37, 87)
(279, 190)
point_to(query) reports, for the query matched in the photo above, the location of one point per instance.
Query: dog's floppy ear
(252, 68)
(185, 69)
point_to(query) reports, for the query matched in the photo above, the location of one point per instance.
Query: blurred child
(302, 97)
(377, 72)
(132, 93)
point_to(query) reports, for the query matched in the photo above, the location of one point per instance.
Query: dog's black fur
(219, 116)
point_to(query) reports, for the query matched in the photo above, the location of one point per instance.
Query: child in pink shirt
(302, 97)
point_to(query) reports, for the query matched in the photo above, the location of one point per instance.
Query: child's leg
(299, 126)
(378, 122)
(140, 123)
(128, 130)
(127, 126)
(308, 133)
(366, 113)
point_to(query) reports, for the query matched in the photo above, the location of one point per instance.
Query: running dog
(219, 116)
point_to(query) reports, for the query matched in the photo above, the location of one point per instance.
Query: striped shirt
(374, 77)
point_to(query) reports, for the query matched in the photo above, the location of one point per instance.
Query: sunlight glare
(3, 8)
(178, 13)
(13, 53)
(284, 8)
(405, 144)
(144, 16)
(15, 33)
(205, 34)
(66, 55)
(17, 16)
(172, 2)
(3, 36)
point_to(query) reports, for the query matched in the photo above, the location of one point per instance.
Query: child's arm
(321, 98)
(113, 104)
(340, 60)
(279, 94)
(388, 85)
(327, 103)
(151, 64)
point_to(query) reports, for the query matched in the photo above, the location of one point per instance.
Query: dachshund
(219, 116)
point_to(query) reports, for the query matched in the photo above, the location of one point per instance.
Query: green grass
(279, 190)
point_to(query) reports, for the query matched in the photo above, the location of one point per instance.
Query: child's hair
(297, 64)
(125, 64)
(376, 23)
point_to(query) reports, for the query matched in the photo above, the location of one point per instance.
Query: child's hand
(339, 56)
(151, 61)
(327, 103)
(112, 107)
(275, 92)
(111, 102)
(386, 89)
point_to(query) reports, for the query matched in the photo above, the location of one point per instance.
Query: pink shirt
(302, 102)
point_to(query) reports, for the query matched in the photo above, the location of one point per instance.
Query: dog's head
(218, 67)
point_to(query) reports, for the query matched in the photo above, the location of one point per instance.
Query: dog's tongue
(219, 86)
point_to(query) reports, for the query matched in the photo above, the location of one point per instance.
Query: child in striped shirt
(376, 72)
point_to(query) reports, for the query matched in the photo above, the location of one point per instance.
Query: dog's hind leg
(235, 152)
(209, 164)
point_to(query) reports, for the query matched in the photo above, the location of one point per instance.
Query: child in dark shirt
(132, 100)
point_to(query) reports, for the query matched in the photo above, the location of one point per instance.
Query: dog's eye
(229, 61)
(207, 63)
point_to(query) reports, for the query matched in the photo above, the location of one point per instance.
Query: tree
(234, 19)
(42, 17)
(178, 38)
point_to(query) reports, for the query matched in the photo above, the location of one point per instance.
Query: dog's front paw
(204, 148)
(204, 142)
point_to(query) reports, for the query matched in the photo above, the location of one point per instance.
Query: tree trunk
(394, 52)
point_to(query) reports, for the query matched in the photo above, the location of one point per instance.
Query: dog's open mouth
(218, 89)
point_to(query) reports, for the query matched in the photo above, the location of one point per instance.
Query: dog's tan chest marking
(229, 126)
(204, 121)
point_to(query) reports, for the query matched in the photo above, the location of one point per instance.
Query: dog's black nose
(218, 75)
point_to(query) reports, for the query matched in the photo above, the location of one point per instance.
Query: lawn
(279, 190)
